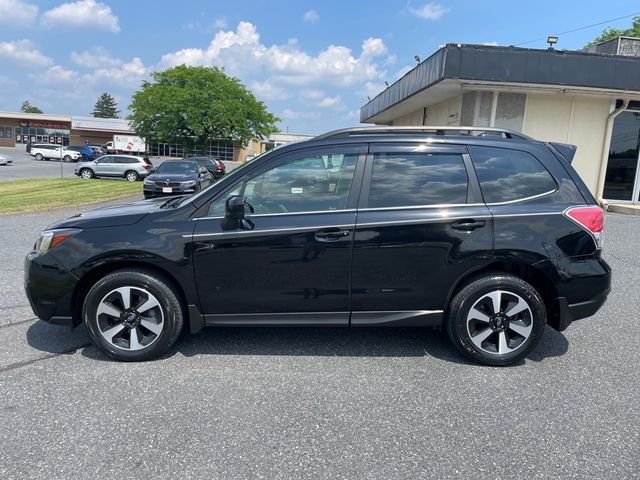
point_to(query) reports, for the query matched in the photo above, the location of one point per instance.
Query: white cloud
(329, 101)
(491, 44)
(268, 91)
(130, 74)
(353, 115)
(242, 53)
(289, 114)
(311, 16)
(402, 72)
(25, 52)
(56, 74)
(429, 11)
(82, 14)
(17, 12)
(220, 23)
(312, 94)
(97, 57)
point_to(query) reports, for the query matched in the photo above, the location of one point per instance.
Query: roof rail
(428, 130)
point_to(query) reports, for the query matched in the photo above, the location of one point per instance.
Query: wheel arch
(538, 279)
(92, 276)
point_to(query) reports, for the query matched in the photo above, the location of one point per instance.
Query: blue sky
(312, 63)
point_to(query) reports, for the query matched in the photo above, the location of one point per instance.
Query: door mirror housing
(203, 171)
(234, 218)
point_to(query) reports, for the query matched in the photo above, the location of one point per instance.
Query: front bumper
(151, 191)
(49, 288)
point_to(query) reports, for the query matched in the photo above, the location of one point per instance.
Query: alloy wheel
(86, 174)
(130, 318)
(499, 322)
(132, 176)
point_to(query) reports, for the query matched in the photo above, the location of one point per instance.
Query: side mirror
(234, 218)
(203, 171)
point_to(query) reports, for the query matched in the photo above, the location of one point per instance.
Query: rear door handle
(468, 225)
(331, 234)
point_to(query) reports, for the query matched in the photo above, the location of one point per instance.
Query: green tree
(26, 107)
(610, 33)
(106, 107)
(192, 105)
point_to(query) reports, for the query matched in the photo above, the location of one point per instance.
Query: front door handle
(468, 225)
(331, 234)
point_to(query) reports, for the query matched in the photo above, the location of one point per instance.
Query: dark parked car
(87, 153)
(176, 177)
(489, 234)
(214, 166)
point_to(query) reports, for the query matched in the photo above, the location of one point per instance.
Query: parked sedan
(214, 166)
(129, 167)
(176, 178)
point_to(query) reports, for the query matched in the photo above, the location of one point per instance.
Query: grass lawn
(47, 193)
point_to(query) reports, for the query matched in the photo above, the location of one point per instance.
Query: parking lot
(25, 166)
(320, 403)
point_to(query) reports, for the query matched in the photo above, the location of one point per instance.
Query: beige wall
(579, 121)
(446, 112)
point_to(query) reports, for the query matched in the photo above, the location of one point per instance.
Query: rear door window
(415, 179)
(507, 175)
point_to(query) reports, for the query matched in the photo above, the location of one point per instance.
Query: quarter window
(413, 179)
(507, 175)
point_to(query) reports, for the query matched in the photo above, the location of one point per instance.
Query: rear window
(412, 179)
(506, 175)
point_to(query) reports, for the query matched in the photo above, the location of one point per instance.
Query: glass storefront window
(622, 167)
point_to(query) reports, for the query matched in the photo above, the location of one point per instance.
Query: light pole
(61, 169)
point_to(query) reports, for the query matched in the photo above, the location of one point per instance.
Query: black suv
(486, 232)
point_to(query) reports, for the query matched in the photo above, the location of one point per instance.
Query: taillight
(591, 218)
(146, 167)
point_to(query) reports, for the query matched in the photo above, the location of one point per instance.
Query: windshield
(177, 167)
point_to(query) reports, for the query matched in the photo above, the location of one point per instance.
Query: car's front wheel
(39, 157)
(133, 315)
(131, 176)
(67, 158)
(496, 319)
(86, 173)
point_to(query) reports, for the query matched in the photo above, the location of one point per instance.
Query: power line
(579, 28)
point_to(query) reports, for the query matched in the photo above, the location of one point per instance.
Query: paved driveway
(321, 403)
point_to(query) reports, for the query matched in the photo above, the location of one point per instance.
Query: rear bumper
(575, 311)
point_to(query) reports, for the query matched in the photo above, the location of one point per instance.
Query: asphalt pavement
(320, 403)
(25, 166)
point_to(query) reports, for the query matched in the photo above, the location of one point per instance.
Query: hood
(172, 177)
(112, 216)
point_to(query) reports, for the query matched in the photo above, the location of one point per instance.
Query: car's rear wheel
(131, 176)
(133, 315)
(86, 173)
(39, 157)
(496, 319)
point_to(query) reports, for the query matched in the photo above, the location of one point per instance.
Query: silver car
(129, 167)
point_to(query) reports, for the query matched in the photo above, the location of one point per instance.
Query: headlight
(189, 183)
(148, 182)
(51, 238)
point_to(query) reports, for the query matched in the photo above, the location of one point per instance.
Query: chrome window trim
(419, 207)
(319, 212)
(525, 198)
(533, 214)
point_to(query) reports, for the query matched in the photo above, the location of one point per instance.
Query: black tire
(131, 176)
(85, 158)
(39, 157)
(161, 288)
(459, 327)
(86, 173)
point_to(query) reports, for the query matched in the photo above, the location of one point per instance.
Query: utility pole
(61, 169)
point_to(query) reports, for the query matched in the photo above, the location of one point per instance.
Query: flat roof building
(590, 99)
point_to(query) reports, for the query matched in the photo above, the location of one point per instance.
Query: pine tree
(106, 107)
